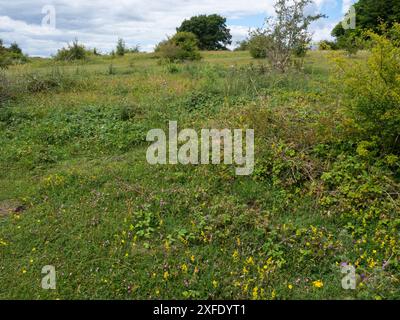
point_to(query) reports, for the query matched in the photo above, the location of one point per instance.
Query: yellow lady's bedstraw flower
(318, 284)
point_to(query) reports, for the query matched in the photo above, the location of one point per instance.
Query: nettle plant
(288, 33)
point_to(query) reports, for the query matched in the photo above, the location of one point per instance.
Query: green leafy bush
(258, 44)
(11, 55)
(325, 45)
(372, 90)
(74, 51)
(121, 48)
(182, 46)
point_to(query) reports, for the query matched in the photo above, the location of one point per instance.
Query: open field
(77, 192)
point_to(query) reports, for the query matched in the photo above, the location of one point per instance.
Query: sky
(41, 27)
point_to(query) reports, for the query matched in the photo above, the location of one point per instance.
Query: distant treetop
(211, 31)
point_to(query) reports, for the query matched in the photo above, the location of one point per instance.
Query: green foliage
(121, 48)
(74, 51)
(369, 14)
(288, 33)
(10, 56)
(258, 44)
(352, 42)
(15, 48)
(210, 30)
(242, 45)
(327, 45)
(373, 90)
(182, 46)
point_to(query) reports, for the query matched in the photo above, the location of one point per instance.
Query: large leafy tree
(211, 31)
(370, 14)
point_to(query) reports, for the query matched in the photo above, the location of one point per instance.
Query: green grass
(73, 155)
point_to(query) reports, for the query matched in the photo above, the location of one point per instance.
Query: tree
(211, 31)
(369, 14)
(288, 32)
(182, 46)
(121, 47)
(15, 48)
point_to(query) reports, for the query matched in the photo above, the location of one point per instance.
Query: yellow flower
(126, 255)
(184, 267)
(290, 287)
(235, 255)
(255, 293)
(166, 275)
(215, 283)
(192, 258)
(250, 261)
(23, 271)
(371, 263)
(318, 284)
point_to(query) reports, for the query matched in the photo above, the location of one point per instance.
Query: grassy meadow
(76, 191)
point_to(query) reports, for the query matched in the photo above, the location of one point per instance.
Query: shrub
(37, 82)
(182, 46)
(352, 43)
(258, 44)
(11, 55)
(325, 45)
(372, 90)
(121, 48)
(75, 51)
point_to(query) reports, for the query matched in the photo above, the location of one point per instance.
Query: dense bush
(258, 44)
(74, 51)
(327, 45)
(373, 90)
(11, 55)
(182, 46)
